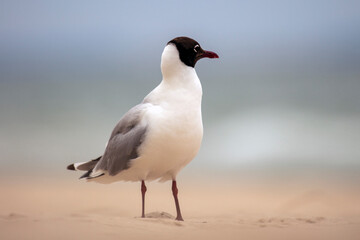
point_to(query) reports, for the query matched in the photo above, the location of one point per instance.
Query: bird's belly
(171, 143)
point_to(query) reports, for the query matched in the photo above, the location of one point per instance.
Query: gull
(158, 137)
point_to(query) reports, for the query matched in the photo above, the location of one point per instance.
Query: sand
(219, 208)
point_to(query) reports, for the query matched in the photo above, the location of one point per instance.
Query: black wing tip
(71, 167)
(87, 175)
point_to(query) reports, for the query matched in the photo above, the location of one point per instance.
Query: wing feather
(124, 142)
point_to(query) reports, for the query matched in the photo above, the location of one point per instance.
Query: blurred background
(283, 96)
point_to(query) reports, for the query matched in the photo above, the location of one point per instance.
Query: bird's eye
(196, 48)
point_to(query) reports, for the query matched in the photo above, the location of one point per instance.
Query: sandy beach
(230, 208)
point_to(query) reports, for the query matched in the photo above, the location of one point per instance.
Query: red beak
(208, 54)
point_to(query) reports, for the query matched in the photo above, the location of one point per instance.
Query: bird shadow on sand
(161, 217)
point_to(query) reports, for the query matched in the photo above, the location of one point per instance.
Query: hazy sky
(136, 31)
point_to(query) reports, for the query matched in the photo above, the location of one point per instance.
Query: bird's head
(183, 52)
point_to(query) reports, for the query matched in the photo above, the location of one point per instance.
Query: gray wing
(124, 142)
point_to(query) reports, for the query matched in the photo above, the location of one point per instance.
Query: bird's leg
(175, 193)
(143, 191)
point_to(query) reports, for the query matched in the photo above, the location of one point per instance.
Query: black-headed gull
(158, 137)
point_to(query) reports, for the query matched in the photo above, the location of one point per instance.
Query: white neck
(174, 71)
(177, 77)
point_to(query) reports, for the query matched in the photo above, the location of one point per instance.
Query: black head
(190, 51)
